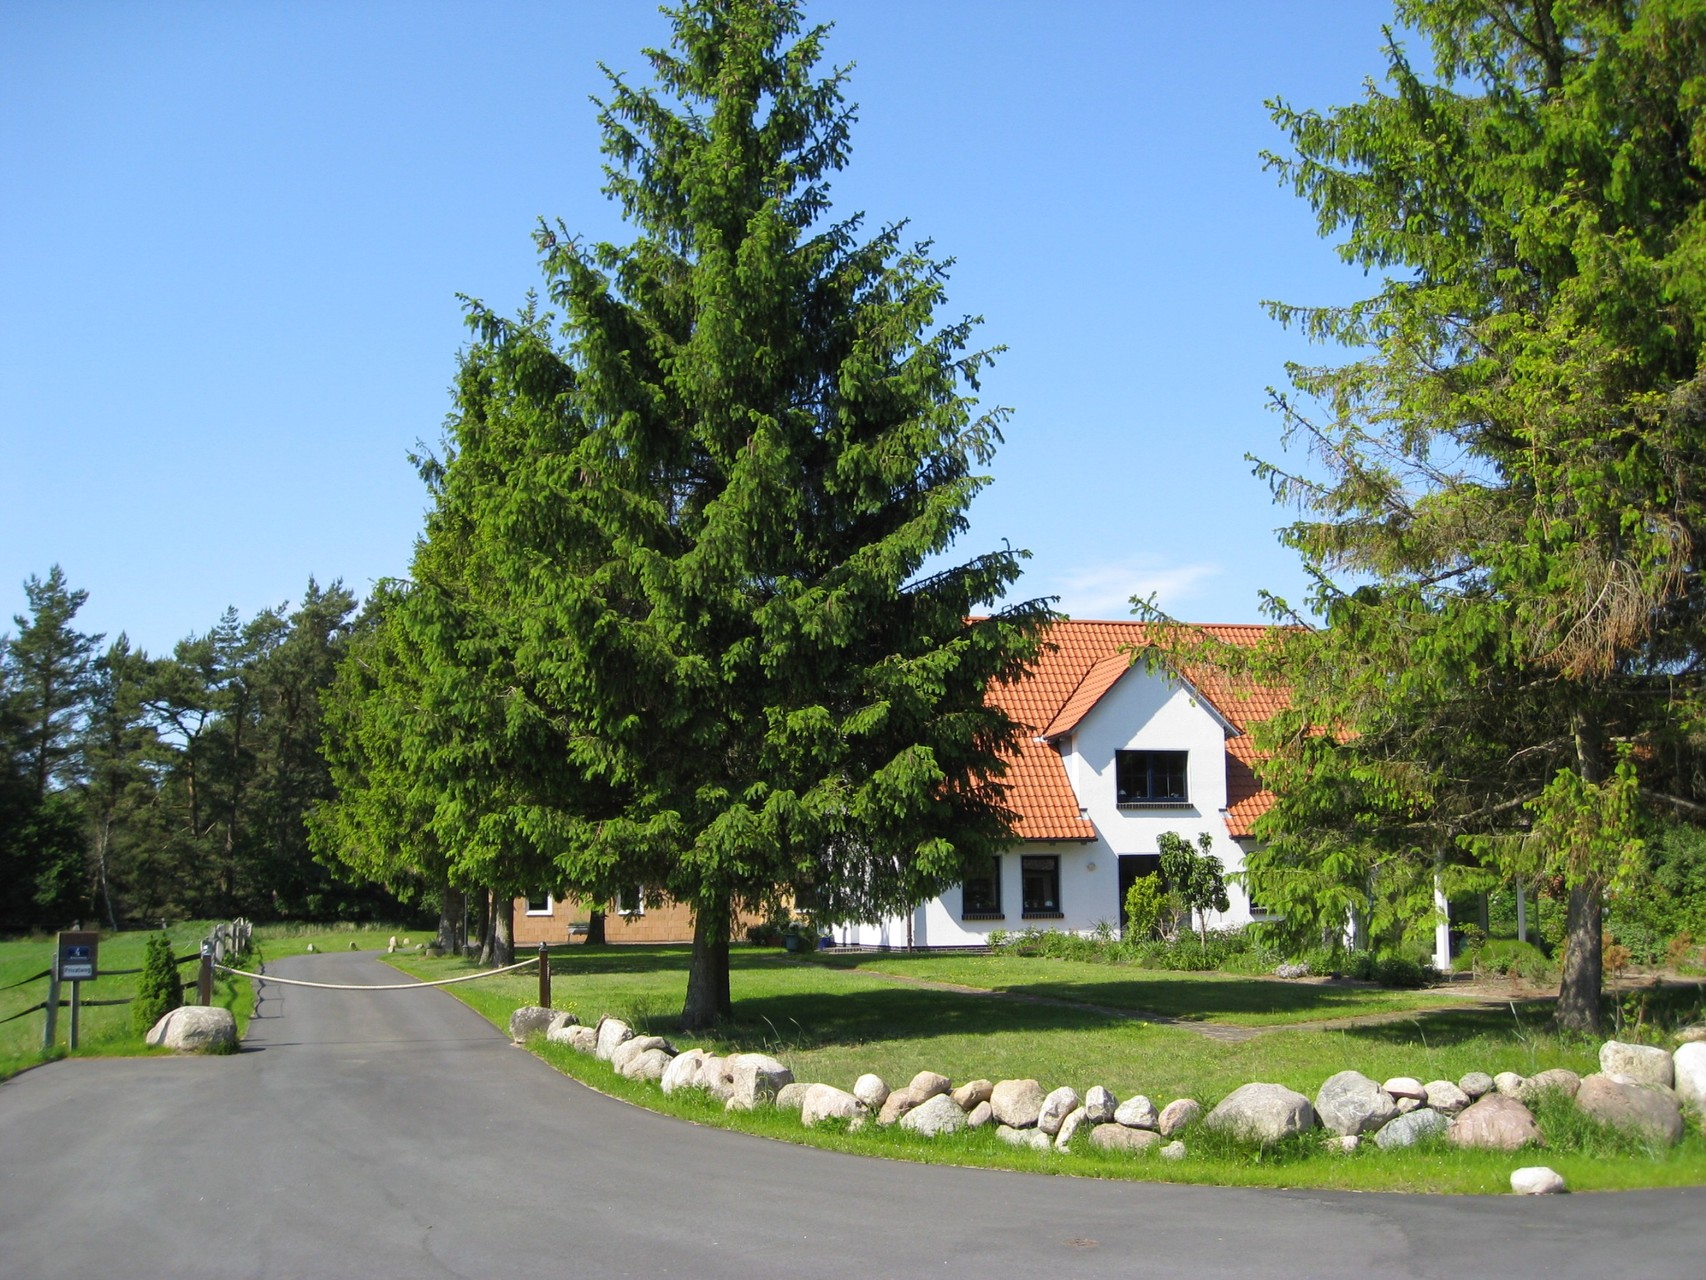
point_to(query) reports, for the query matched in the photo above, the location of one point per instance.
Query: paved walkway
(399, 1135)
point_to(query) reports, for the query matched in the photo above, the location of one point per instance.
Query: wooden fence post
(204, 980)
(50, 1034)
(544, 978)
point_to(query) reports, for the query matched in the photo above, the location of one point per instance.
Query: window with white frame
(540, 904)
(631, 902)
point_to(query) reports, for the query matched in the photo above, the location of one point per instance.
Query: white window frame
(550, 906)
(639, 907)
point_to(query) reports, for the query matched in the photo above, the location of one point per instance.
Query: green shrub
(1145, 902)
(1400, 971)
(1519, 959)
(159, 990)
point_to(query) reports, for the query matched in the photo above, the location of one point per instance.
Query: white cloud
(1106, 590)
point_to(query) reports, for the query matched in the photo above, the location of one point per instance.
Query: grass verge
(834, 1021)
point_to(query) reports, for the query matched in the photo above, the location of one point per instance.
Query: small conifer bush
(160, 990)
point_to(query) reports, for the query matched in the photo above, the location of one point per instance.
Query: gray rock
(1017, 1103)
(1070, 1125)
(685, 1071)
(757, 1079)
(195, 1028)
(1350, 1102)
(1056, 1107)
(980, 1115)
(1537, 1180)
(1557, 1080)
(872, 1091)
(1291, 971)
(1117, 1137)
(611, 1032)
(1446, 1098)
(1174, 1150)
(630, 1049)
(559, 1024)
(1099, 1105)
(1689, 1064)
(1138, 1113)
(896, 1105)
(1651, 1112)
(1341, 1144)
(790, 1097)
(826, 1102)
(1262, 1113)
(648, 1064)
(927, 1084)
(1496, 1122)
(1176, 1115)
(1033, 1137)
(1510, 1084)
(580, 1039)
(717, 1077)
(529, 1020)
(1640, 1063)
(936, 1115)
(970, 1094)
(1476, 1084)
(1409, 1129)
(1407, 1104)
(1695, 1034)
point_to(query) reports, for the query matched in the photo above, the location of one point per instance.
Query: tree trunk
(1583, 978)
(595, 929)
(503, 928)
(451, 906)
(708, 977)
(485, 926)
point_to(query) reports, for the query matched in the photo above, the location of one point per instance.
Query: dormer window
(1151, 779)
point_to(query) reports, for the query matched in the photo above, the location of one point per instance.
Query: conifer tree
(700, 523)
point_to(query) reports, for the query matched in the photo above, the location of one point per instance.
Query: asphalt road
(398, 1134)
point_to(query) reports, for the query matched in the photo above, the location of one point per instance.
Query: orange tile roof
(1079, 663)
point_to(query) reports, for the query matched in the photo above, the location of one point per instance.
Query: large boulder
(1689, 1063)
(195, 1028)
(1637, 1063)
(1017, 1103)
(1262, 1113)
(1651, 1112)
(611, 1032)
(1537, 1180)
(937, 1114)
(580, 1039)
(758, 1078)
(1137, 1112)
(1556, 1080)
(928, 1084)
(971, 1093)
(633, 1047)
(872, 1091)
(792, 1097)
(826, 1102)
(1410, 1128)
(980, 1115)
(1446, 1098)
(1119, 1137)
(649, 1064)
(717, 1077)
(1497, 1122)
(897, 1104)
(684, 1071)
(1099, 1105)
(1056, 1107)
(1176, 1115)
(1074, 1121)
(529, 1020)
(562, 1022)
(1350, 1102)
(1477, 1084)
(1509, 1083)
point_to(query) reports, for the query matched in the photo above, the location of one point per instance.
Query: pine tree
(700, 526)
(1504, 511)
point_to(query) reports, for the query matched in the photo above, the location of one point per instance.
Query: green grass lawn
(104, 1031)
(831, 1019)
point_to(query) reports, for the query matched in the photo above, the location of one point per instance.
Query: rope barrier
(387, 986)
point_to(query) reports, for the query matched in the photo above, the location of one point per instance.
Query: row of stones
(1638, 1087)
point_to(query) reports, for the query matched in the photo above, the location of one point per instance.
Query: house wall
(1143, 711)
(655, 923)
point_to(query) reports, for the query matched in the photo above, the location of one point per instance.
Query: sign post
(77, 961)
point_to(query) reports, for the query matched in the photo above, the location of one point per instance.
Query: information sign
(78, 956)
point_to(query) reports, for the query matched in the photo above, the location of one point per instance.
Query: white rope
(386, 986)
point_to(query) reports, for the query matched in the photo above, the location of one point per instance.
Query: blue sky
(232, 239)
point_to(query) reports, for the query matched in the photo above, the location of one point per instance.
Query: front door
(1133, 867)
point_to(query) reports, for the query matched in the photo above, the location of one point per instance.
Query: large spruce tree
(1507, 481)
(701, 518)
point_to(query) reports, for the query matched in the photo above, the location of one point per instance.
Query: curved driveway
(400, 1135)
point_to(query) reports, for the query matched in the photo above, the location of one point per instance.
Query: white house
(1114, 755)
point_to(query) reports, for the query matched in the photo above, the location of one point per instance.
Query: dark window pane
(1150, 777)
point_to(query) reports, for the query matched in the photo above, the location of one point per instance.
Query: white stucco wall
(1143, 711)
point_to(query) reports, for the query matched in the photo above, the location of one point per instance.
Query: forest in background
(136, 788)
